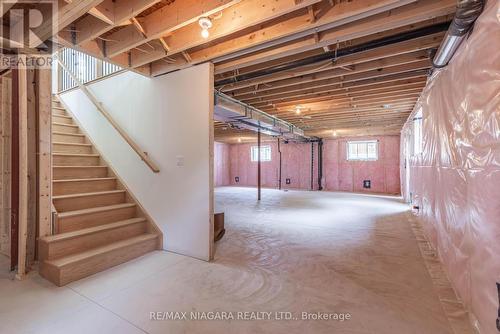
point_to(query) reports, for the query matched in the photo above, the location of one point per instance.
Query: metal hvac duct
(244, 116)
(465, 16)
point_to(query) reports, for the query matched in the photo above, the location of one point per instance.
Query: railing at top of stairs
(143, 155)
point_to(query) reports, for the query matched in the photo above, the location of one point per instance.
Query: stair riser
(76, 149)
(64, 128)
(59, 112)
(69, 224)
(79, 187)
(75, 161)
(58, 249)
(78, 270)
(79, 173)
(68, 139)
(59, 119)
(85, 202)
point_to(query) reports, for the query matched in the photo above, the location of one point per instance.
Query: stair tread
(94, 210)
(101, 250)
(82, 166)
(71, 144)
(59, 108)
(91, 230)
(63, 116)
(76, 154)
(68, 134)
(64, 124)
(105, 192)
(90, 179)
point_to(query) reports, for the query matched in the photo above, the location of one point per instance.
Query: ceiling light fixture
(298, 109)
(205, 24)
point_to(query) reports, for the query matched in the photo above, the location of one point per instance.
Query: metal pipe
(465, 16)
(320, 164)
(280, 166)
(333, 55)
(312, 166)
(258, 167)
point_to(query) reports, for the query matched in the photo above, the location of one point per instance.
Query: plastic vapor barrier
(455, 179)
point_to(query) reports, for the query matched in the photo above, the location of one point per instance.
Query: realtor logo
(27, 25)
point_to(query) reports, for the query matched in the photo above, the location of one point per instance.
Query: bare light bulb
(205, 33)
(239, 140)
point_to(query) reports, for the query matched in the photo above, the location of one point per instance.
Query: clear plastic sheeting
(455, 180)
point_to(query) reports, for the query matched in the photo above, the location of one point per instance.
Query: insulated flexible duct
(467, 13)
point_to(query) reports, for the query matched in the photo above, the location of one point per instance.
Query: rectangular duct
(244, 116)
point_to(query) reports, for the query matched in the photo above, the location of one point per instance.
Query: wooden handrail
(144, 155)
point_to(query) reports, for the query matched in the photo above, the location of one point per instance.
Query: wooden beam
(66, 15)
(328, 84)
(367, 85)
(23, 170)
(44, 152)
(105, 11)
(138, 26)
(14, 151)
(238, 17)
(341, 45)
(5, 159)
(186, 56)
(402, 16)
(167, 19)
(31, 167)
(365, 63)
(90, 28)
(164, 44)
(295, 28)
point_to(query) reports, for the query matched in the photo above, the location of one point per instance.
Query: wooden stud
(23, 169)
(44, 100)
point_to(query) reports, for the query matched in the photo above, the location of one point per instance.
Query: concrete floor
(334, 253)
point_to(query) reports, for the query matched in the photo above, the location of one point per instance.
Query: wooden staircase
(98, 223)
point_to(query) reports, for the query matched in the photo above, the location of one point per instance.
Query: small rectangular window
(417, 133)
(265, 153)
(362, 150)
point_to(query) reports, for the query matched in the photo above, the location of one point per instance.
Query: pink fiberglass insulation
(455, 180)
(341, 174)
(338, 173)
(221, 164)
(295, 160)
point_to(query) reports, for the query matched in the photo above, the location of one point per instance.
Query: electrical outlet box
(367, 184)
(288, 181)
(237, 179)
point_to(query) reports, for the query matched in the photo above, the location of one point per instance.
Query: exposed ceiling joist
(291, 29)
(169, 18)
(396, 18)
(67, 14)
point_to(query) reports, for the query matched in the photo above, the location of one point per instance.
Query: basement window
(265, 153)
(362, 150)
(417, 133)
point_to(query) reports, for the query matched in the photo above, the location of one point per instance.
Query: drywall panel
(344, 175)
(169, 117)
(455, 180)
